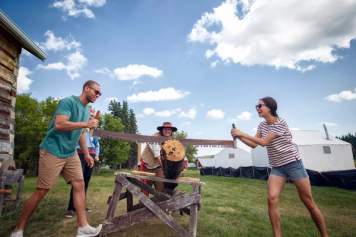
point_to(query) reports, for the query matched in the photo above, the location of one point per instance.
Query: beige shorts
(50, 167)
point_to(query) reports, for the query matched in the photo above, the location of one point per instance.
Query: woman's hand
(236, 132)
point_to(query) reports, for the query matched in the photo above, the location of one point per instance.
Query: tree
(31, 121)
(113, 152)
(128, 119)
(190, 150)
(350, 138)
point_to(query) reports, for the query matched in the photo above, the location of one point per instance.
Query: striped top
(281, 150)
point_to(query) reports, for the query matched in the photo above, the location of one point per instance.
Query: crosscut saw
(159, 139)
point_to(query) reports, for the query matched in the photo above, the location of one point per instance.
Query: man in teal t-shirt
(58, 156)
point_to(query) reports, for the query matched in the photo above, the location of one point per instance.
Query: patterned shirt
(281, 150)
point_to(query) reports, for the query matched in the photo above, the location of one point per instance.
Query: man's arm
(62, 123)
(84, 148)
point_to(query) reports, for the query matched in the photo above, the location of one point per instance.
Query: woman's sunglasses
(259, 106)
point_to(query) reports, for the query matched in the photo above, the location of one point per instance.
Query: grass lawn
(230, 207)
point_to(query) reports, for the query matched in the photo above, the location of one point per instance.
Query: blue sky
(200, 64)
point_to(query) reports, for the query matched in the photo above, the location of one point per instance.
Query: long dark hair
(271, 104)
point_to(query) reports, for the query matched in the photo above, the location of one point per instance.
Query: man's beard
(89, 100)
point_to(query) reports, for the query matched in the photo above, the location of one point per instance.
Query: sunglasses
(259, 106)
(95, 91)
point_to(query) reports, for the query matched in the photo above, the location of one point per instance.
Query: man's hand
(236, 132)
(89, 160)
(92, 123)
(97, 159)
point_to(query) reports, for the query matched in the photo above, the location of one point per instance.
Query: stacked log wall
(9, 67)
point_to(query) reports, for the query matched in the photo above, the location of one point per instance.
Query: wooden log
(9, 44)
(180, 180)
(137, 216)
(136, 172)
(168, 219)
(114, 200)
(5, 97)
(7, 75)
(7, 61)
(4, 136)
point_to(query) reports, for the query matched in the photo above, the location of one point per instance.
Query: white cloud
(75, 62)
(164, 94)
(290, 34)
(135, 71)
(190, 114)
(162, 113)
(57, 43)
(105, 71)
(295, 129)
(76, 8)
(245, 116)
(148, 111)
(166, 113)
(215, 114)
(341, 96)
(23, 80)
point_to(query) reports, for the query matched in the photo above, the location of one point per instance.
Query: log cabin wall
(10, 51)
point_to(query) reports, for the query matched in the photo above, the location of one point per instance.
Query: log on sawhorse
(159, 205)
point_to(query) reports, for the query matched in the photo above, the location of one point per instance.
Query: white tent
(317, 152)
(227, 157)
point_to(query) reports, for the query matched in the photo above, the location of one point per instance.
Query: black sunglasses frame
(95, 91)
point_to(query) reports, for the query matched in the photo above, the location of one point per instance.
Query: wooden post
(129, 201)
(193, 224)
(114, 199)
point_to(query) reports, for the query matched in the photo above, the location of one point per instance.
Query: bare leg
(305, 194)
(275, 187)
(79, 202)
(29, 207)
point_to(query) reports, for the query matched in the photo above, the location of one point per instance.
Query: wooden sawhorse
(11, 177)
(160, 205)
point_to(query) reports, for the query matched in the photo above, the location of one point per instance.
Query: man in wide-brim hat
(151, 155)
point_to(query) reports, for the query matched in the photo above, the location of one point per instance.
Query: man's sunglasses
(95, 91)
(259, 106)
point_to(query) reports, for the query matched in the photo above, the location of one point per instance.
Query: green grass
(230, 207)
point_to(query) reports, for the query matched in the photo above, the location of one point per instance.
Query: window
(231, 155)
(327, 149)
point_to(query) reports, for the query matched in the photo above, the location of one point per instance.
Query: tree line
(350, 138)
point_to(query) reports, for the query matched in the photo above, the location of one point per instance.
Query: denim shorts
(292, 171)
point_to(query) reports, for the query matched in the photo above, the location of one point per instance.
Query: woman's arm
(243, 139)
(248, 142)
(257, 140)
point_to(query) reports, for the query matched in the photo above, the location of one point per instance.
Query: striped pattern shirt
(281, 150)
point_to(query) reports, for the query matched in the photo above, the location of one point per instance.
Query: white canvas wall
(314, 157)
(242, 158)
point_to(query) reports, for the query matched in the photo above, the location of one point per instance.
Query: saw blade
(159, 139)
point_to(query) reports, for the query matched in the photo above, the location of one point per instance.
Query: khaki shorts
(50, 167)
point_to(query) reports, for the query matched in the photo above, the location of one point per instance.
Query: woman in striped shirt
(285, 161)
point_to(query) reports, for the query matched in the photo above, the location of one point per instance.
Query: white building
(316, 151)
(227, 157)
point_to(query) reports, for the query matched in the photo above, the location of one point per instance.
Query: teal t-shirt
(63, 143)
